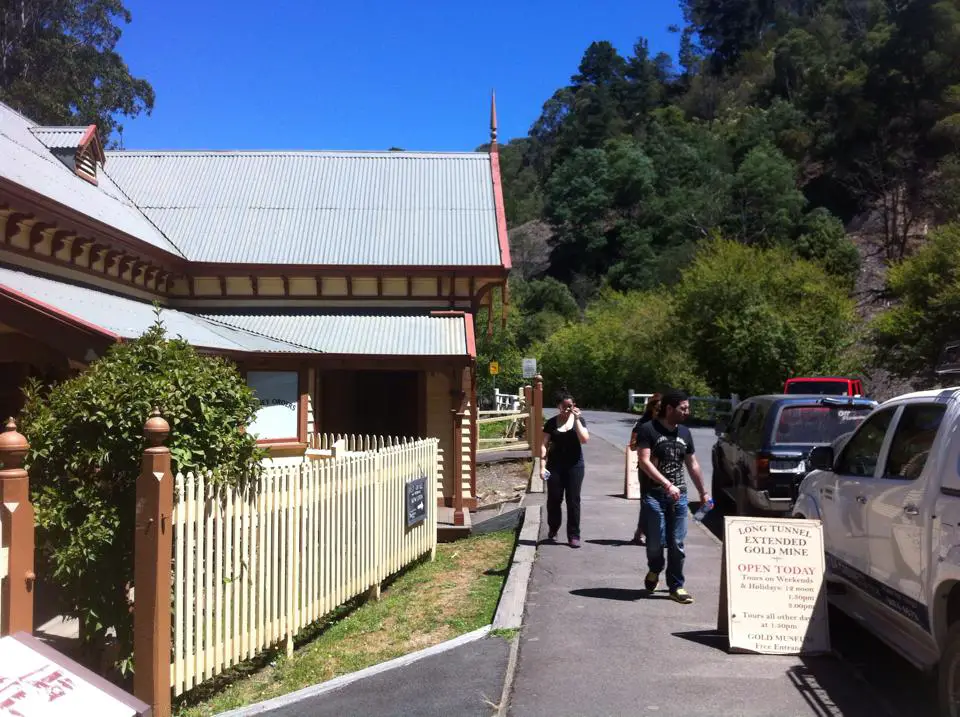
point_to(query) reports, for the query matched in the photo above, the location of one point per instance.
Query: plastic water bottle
(703, 510)
(546, 474)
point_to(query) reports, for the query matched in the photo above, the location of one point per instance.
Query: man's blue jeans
(665, 523)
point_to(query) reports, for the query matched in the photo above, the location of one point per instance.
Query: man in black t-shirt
(665, 448)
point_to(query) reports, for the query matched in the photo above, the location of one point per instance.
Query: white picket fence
(353, 442)
(252, 567)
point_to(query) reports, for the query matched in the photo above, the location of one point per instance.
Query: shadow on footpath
(616, 543)
(826, 684)
(620, 594)
(825, 681)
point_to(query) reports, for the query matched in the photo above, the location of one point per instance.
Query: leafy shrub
(625, 341)
(824, 241)
(86, 443)
(908, 337)
(752, 317)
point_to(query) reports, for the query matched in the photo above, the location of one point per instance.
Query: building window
(278, 416)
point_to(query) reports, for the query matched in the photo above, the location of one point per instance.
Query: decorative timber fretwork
(34, 230)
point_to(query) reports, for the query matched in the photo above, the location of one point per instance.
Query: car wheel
(948, 674)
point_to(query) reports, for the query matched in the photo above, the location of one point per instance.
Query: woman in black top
(561, 454)
(651, 410)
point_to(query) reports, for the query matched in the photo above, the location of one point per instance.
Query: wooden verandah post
(153, 552)
(16, 515)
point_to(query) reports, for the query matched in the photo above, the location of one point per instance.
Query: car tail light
(762, 473)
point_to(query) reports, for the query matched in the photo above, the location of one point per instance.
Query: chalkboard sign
(416, 495)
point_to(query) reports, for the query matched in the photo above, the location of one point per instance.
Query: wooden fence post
(16, 513)
(528, 406)
(153, 551)
(537, 413)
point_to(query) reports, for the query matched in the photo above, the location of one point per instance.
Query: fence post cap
(13, 446)
(156, 429)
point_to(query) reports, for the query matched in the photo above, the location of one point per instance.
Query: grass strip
(428, 604)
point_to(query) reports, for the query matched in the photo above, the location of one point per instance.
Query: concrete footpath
(594, 643)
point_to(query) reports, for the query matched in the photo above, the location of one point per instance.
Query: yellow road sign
(494, 368)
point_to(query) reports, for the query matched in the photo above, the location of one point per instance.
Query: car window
(752, 434)
(739, 418)
(824, 388)
(912, 440)
(734, 422)
(862, 451)
(801, 424)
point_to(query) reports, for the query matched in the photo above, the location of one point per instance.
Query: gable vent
(79, 148)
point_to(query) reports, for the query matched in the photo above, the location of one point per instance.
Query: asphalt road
(897, 683)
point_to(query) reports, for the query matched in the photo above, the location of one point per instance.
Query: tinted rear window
(820, 388)
(817, 424)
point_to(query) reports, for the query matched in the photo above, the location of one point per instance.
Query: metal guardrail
(702, 408)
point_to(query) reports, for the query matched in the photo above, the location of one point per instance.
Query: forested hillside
(728, 218)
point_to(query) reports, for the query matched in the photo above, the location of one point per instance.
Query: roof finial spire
(493, 116)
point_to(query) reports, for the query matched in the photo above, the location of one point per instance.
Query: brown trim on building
(36, 234)
(205, 268)
(332, 362)
(67, 334)
(502, 234)
(423, 406)
(303, 404)
(76, 223)
(13, 225)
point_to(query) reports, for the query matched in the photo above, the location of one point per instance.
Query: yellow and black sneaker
(650, 582)
(681, 596)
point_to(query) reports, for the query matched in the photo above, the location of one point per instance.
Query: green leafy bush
(908, 337)
(752, 317)
(86, 443)
(625, 341)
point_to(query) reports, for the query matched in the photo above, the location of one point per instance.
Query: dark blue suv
(761, 452)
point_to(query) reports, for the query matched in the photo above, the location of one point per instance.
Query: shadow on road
(831, 690)
(898, 685)
(708, 638)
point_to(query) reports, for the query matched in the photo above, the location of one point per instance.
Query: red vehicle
(824, 386)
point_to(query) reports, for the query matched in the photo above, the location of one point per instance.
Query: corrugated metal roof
(130, 318)
(24, 160)
(378, 208)
(273, 332)
(362, 334)
(59, 137)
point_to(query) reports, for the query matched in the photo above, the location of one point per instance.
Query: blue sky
(364, 74)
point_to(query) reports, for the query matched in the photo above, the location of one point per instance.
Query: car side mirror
(821, 458)
(722, 425)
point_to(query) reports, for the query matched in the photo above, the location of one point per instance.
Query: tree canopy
(59, 63)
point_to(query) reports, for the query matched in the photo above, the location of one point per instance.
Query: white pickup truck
(889, 500)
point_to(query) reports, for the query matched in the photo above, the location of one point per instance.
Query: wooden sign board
(37, 681)
(773, 598)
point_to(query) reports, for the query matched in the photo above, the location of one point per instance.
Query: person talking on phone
(562, 467)
(665, 447)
